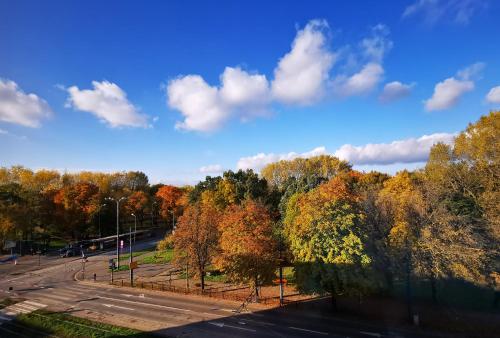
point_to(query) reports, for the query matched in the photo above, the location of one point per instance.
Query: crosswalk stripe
(27, 307)
(34, 303)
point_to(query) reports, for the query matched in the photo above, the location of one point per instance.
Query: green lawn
(40, 323)
(160, 257)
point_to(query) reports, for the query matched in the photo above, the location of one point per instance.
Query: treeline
(45, 204)
(348, 232)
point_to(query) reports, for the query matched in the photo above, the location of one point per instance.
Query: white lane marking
(258, 322)
(213, 315)
(374, 334)
(220, 324)
(118, 307)
(306, 330)
(126, 295)
(142, 303)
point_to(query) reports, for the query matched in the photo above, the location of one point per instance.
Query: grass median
(41, 322)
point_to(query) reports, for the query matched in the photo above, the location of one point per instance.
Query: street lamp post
(117, 201)
(130, 250)
(173, 220)
(100, 207)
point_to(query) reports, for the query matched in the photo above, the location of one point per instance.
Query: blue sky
(184, 89)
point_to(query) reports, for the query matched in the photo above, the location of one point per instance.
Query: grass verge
(63, 325)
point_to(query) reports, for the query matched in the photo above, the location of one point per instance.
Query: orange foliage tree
(248, 247)
(76, 204)
(171, 200)
(196, 237)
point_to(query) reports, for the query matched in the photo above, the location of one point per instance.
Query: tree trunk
(202, 279)
(433, 289)
(256, 289)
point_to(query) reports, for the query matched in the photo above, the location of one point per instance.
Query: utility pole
(100, 207)
(130, 250)
(117, 227)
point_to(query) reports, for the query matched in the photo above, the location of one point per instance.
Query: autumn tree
(324, 228)
(248, 249)
(76, 205)
(171, 200)
(196, 237)
(136, 203)
(316, 168)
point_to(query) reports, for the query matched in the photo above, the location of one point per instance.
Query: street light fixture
(117, 201)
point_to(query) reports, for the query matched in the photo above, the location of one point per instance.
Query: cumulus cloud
(198, 102)
(403, 151)
(433, 11)
(259, 161)
(205, 108)
(20, 108)
(109, 103)
(394, 91)
(447, 93)
(373, 50)
(211, 169)
(411, 150)
(494, 95)
(302, 73)
(360, 83)
(302, 76)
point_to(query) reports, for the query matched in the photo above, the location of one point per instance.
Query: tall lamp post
(117, 201)
(100, 208)
(130, 250)
(173, 220)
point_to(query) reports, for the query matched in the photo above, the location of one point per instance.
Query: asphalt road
(168, 314)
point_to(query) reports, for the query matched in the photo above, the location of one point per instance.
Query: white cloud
(198, 102)
(394, 91)
(494, 95)
(378, 44)
(403, 151)
(205, 108)
(360, 83)
(302, 73)
(240, 88)
(447, 93)
(373, 50)
(302, 76)
(411, 150)
(20, 108)
(433, 11)
(109, 103)
(259, 161)
(211, 169)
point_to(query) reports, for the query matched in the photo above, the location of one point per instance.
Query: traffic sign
(133, 265)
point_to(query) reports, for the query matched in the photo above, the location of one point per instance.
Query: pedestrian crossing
(10, 312)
